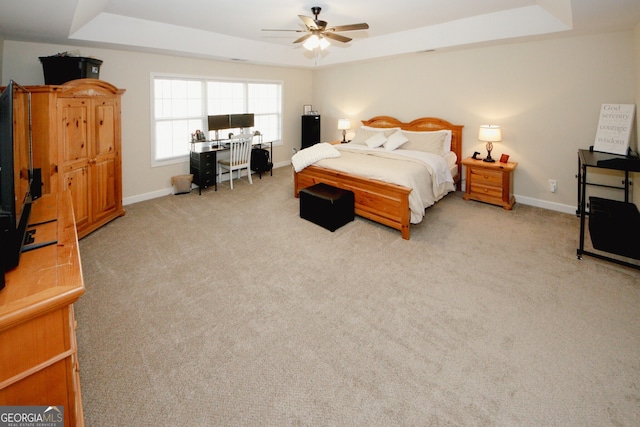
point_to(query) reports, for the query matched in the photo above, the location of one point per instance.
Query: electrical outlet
(553, 185)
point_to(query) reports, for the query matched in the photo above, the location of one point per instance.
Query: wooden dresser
(38, 350)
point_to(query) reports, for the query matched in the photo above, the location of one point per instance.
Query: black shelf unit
(614, 226)
(310, 130)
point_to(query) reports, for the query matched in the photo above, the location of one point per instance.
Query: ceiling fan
(317, 30)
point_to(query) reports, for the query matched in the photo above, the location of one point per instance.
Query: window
(181, 106)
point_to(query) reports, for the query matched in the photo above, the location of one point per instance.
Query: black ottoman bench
(327, 206)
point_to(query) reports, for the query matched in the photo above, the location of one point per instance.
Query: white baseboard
(282, 164)
(552, 206)
(570, 209)
(147, 196)
(169, 190)
(546, 205)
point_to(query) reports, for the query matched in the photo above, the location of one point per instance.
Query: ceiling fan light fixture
(311, 43)
(316, 41)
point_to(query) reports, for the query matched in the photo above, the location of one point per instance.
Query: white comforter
(427, 174)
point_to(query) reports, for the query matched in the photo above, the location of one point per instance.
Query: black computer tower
(310, 130)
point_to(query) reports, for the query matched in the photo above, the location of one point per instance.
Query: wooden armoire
(77, 144)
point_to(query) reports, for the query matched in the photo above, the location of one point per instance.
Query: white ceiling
(232, 30)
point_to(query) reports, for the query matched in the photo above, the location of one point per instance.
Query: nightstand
(490, 182)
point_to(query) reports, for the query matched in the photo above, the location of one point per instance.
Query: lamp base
(488, 159)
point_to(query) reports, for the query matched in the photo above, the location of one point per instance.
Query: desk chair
(239, 157)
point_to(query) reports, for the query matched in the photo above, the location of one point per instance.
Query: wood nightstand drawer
(486, 190)
(486, 177)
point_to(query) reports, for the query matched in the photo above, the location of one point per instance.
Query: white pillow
(430, 142)
(377, 129)
(376, 140)
(447, 141)
(363, 133)
(395, 140)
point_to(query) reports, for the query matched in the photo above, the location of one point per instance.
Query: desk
(593, 159)
(203, 161)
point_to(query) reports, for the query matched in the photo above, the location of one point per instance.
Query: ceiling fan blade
(352, 27)
(309, 22)
(336, 37)
(303, 38)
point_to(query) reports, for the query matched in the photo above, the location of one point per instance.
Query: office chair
(239, 157)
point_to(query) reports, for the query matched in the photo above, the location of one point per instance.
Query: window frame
(204, 80)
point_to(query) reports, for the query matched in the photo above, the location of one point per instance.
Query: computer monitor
(220, 121)
(241, 120)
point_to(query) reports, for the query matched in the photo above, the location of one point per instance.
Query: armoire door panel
(105, 127)
(74, 144)
(104, 194)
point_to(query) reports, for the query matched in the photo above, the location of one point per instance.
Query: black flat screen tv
(241, 120)
(16, 173)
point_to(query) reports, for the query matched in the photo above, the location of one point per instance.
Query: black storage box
(614, 227)
(61, 69)
(327, 206)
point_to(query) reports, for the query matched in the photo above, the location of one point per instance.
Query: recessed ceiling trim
(123, 30)
(126, 31)
(86, 10)
(513, 23)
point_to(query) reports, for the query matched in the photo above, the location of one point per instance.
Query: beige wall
(545, 94)
(132, 71)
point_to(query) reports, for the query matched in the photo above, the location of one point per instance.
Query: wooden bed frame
(379, 201)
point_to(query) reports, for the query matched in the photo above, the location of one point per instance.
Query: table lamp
(490, 134)
(343, 125)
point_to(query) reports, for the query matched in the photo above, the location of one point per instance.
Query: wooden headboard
(425, 124)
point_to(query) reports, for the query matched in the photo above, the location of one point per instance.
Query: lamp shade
(344, 124)
(490, 133)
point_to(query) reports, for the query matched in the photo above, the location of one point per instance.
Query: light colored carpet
(228, 309)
